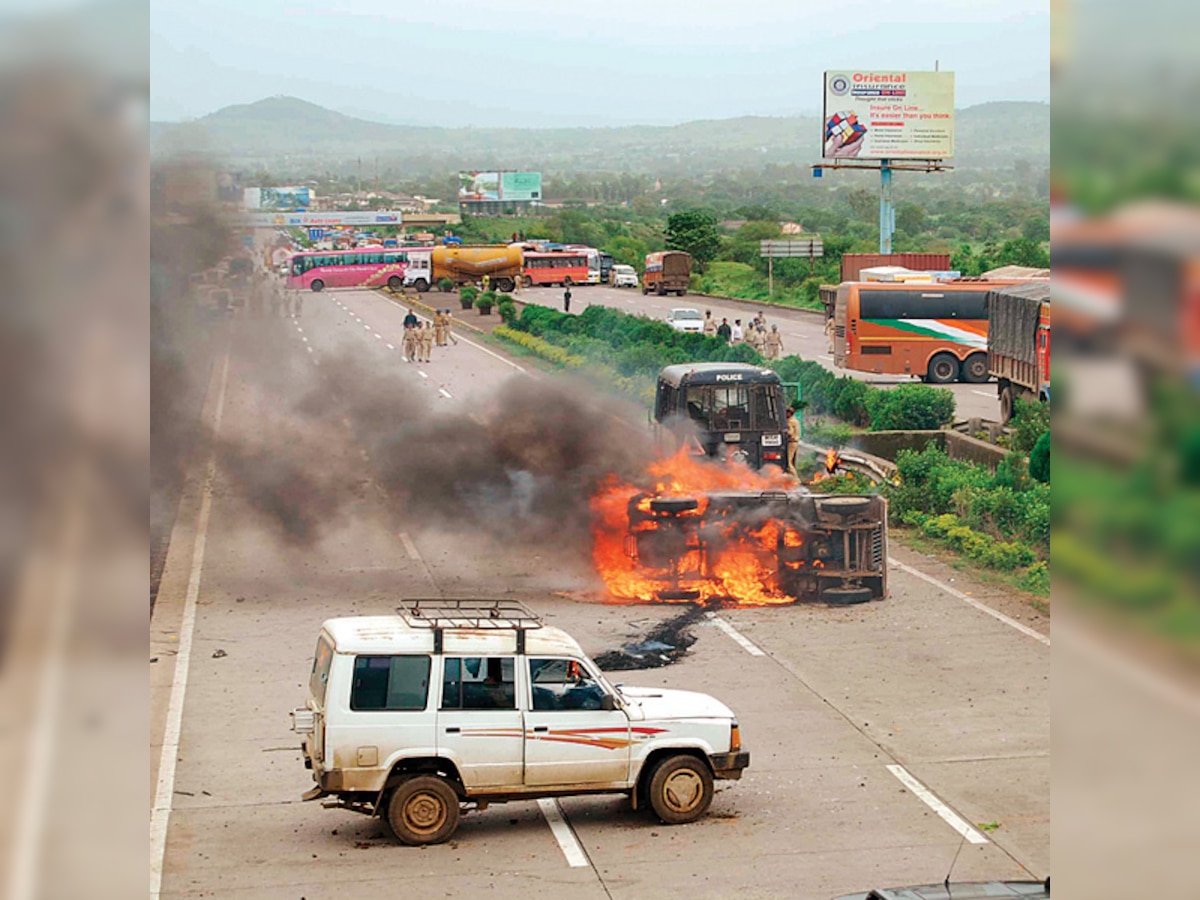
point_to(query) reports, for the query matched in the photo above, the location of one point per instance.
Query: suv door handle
(453, 729)
(541, 728)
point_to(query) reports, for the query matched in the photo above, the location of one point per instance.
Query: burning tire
(846, 596)
(423, 810)
(673, 505)
(681, 789)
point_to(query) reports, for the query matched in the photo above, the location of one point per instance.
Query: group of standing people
(421, 337)
(267, 296)
(768, 343)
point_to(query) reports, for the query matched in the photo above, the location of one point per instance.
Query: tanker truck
(468, 265)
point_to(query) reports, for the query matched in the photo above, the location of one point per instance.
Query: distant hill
(289, 134)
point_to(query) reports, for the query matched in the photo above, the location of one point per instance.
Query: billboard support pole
(770, 276)
(887, 212)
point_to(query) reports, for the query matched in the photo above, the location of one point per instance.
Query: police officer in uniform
(774, 343)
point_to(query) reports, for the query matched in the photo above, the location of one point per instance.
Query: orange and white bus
(936, 331)
(556, 267)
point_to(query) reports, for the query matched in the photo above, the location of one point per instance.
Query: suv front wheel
(681, 790)
(423, 810)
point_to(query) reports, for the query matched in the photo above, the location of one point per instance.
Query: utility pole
(887, 210)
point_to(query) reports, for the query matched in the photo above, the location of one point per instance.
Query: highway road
(803, 333)
(885, 739)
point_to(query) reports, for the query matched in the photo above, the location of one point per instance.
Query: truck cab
(453, 702)
(724, 411)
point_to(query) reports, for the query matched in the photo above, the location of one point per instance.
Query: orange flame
(741, 567)
(832, 458)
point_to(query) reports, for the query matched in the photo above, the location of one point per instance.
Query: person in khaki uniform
(448, 322)
(774, 343)
(426, 338)
(410, 343)
(710, 324)
(439, 329)
(754, 338)
(793, 440)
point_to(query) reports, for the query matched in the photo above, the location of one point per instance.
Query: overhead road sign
(806, 247)
(322, 219)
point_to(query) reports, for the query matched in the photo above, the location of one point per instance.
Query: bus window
(298, 266)
(731, 407)
(766, 412)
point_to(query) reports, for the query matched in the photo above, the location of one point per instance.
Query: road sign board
(315, 234)
(806, 247)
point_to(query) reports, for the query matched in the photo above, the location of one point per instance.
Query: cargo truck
(467, 265)
(1019, 342)
(666, 272)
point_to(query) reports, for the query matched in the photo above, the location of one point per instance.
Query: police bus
(724, 411)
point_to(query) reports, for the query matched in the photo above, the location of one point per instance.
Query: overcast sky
(578, 62)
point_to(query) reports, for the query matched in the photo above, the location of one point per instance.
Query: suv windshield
(686, 314)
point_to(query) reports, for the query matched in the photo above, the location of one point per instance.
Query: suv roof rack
(441, 614)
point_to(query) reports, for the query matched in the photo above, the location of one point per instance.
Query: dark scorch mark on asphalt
(666, 643)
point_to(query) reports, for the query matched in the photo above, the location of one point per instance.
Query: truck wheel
(318, 285)
(975, 369)
(423, 810)
(395, 283)
(681, 790)
(1006, 404)
(843, 507)
(421, 285)
(673, 504)
(845, 596)
(645, 290)
(943, 369)
(504, 285)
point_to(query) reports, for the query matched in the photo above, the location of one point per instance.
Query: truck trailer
(1019, 342)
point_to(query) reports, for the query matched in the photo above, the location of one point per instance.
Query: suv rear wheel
(423, 810)
(681, 790)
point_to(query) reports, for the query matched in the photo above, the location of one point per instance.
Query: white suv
(623, 276)
(453, 702)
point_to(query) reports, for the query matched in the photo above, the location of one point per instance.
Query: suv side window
(479, 682)
(563, 684)
(393, 683)
(319, 678)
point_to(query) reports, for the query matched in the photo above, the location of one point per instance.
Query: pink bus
(316, 270)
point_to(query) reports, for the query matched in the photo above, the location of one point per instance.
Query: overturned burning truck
(774, 544)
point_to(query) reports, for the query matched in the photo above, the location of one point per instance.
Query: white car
(451, 702)
(685, 320)
(623, 276)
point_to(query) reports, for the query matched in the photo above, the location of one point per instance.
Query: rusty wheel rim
(682, 791)
(424, 813)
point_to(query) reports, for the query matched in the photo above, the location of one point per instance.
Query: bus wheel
(395, 283)
(975, 369)
(943, 369)
(421, 285)
(527, 281)
(318, 285)
(567, 281)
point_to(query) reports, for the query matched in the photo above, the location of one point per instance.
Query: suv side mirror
(608, 703)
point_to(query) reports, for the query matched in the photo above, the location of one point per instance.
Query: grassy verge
(740, 281)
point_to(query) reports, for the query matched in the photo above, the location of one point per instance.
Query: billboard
(872, 114)
(497, 186)
(291, 197)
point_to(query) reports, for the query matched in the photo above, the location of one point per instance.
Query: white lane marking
(567, 842)
(950, 817)
(164, 794)
(971, 601)
(744, 641)
(366, 326)
(304, 339)
(445, 393)
(378, 335)
(309, 349)
(410, 547)
(391, 346)
(823, 356)
(983, 393)
(422, 374)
